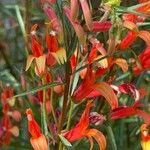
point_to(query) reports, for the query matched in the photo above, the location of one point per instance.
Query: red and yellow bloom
(37, 54)
(145, 137)
(38, 140)
(81, 130)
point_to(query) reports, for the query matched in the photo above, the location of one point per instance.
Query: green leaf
(46, 86)
(72, 46)
(20, 20)
(111, 137)
(122, 9)
(65, 142)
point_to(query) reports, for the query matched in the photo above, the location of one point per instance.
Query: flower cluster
(84, 61)
(7, 129)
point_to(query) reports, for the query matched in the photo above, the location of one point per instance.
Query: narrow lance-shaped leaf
(66, 142)
(34, 90)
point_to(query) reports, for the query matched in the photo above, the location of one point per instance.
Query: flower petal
(79, 131)
(74, 9)
(91, 142)
(86, 86)
(39, 143)
(130, 25)
(61, 54)
(101, 26)
(87, 14)
(128, 40)
(106, 91)
(77, 27)
(29, 61)
(122, 112)
(122, 63)
(55, 22)
(129, 88)
(144, 8)
(14, 130)
(98, 136)
(145, 145)
(144, 115)
(40, 64)
(145, 35)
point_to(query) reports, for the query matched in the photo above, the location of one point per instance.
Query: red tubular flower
(133, 34)
(7, 93)
(8, 130)
(88, 87)
(38, 55)
(145, 137)
(126, 111)
(144, 59)
(128, 40)
(55, 22)
(38, 140)
(50, 60)
(59, 53)
(101, 26)
(51, 41)
(81, 130)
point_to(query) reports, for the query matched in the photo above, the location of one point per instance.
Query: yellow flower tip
(30, 58)
(60, 56)
(145, 145)
(145, 142)
(39, 143)
(40, 65)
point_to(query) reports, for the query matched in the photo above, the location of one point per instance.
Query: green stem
(65, 100)
(60, 146)
(70, 115)
(28, 5)
(44, 110)
(66, 92)
(52, 108)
